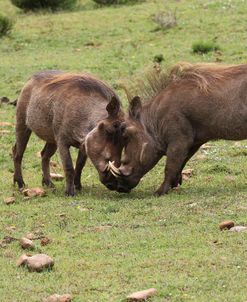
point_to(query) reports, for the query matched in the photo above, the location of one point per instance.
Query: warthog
(66, 109)
(191, 105)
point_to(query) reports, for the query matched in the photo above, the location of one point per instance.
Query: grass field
(107, 245)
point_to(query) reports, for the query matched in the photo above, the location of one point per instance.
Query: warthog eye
(116, 125)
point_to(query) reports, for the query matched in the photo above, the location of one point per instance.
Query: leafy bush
(44, 4)
(204, 47)
(158, 58)
(109, 2)
(6, 25)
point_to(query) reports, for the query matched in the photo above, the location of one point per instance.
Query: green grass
(124, 243)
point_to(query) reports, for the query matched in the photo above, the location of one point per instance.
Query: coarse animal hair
(205, 76)
(83, 81)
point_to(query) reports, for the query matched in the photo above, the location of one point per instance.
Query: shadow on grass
(97, 192)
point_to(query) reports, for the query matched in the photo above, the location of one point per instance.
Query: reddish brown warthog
(192, 105)
(66, 109)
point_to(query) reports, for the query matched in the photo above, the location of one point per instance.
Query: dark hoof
(78, 187)
(160, 192)
(20, 183)
(70, 192)
(178, 182)
(48, 183)
(175, 185)
(157, 194)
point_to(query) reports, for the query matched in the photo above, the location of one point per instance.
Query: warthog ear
(113, 107)
(135, 107)
(144, 154)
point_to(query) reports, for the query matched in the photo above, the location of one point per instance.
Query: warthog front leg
(46, 154)
(68, 168)
(22, 137)
(80, 163)
(192, 151)
(177, 156)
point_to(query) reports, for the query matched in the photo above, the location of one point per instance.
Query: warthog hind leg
(22, 136)
(46, 154)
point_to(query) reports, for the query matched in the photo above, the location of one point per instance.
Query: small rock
(226, 225)
(58, 298)
(34, 192)
(36, 263)
(45, 241)
(206, 146)
(187, 173)
(30, 236)
(22, 260)
(5, 131)
(26, 243)
(7, 240)
(53, 164)
(237, 144)
(6, 124)
(238, 228)
(9, 200)
(2, 244)
(142, 295)
(57, 177)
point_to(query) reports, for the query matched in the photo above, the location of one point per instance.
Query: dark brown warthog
(65, 109)
(197, 103)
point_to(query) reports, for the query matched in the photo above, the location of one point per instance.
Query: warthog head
(139, 154)
(104, 144)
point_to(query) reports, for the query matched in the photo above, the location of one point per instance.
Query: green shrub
(158, 58)
(6, 25)
(109, 2)
(204, 47)
(44, 4)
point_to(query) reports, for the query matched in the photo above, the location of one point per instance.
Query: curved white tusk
(114, 170)
(107, 168)
(114, 174)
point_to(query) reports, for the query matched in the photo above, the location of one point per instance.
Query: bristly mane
(84, 81)
(204, 76)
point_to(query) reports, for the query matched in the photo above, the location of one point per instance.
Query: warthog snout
(108, 179)
(125, 182)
